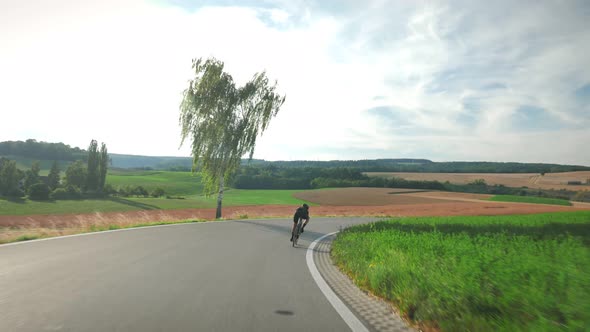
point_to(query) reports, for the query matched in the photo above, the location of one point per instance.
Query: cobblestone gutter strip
(376, 314)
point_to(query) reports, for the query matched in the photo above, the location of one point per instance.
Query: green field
(500, 273)
(530, 199)
(173, 183)
(232, 197)
(186, 187)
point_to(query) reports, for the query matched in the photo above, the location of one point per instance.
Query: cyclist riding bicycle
(301, 213)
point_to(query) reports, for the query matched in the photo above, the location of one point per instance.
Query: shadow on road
(284, 312)
(285, 230)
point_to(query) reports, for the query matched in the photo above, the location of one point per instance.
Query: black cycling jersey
(301, 213)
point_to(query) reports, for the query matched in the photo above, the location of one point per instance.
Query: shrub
(39, 191)
(69, 192)
(478, 182)
(140, 191)
(16, 192)
(59, 193)
(109, 189)
(73, 192)
(125, 191)
(158, 192)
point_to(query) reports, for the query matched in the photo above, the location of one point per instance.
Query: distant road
(217, 276)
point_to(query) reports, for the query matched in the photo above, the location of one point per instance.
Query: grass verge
(500, 273)
(530, 199)
(16, 235)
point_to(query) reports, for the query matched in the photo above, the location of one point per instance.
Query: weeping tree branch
(222, 121)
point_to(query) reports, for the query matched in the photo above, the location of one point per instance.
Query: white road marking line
(350, 319)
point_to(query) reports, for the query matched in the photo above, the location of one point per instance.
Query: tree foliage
(103, 164)
(97, 167)
(32, 175)
(53, 177)
(223, 121)
(92, 169)
(39, 191)
(76, 174)
(41, 150)
(10, 177)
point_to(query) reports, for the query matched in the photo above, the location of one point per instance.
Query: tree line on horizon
(81, 177)
(40, 150)
(33, 149)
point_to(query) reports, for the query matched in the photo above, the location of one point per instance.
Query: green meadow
(173, 183)
(232, 197)
(530, 199)
(184, 187)
(495, 273)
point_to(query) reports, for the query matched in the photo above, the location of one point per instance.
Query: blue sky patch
(533, 118)
(389, 116)
(583, 92)
(494, 86)
(191, 5)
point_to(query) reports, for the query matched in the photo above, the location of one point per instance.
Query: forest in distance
(31, 149)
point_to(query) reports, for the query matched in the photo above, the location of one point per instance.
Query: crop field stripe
(530, 199)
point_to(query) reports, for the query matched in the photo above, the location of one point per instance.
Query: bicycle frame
(297, 231)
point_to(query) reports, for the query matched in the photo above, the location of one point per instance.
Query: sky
(441, 80)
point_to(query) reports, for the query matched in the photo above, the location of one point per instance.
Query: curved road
(216, 276)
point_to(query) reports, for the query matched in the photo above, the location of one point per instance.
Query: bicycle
(297, 231)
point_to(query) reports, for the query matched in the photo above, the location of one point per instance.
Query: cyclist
(301, 213)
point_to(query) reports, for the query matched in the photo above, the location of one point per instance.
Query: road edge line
(102, 232)
(351, 320)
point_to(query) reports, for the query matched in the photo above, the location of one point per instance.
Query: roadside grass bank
(9, 235)
(232, 197)
(530, 199)
(496, 273)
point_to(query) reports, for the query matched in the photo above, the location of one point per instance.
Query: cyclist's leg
(293, 230)
(304, 224)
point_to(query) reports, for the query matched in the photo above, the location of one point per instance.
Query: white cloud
(122, 66)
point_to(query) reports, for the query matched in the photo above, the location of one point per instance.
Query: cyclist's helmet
(305, 206)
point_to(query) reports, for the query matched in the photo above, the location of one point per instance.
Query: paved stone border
(375, 314)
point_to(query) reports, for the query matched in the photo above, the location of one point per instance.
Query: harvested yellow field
(531, 180)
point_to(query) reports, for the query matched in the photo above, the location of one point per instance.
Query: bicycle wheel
(297, 232)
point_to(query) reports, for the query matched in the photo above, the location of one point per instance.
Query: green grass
(237, 197)
(26, 238)
(173, 183)
(177, 184)
(500, 273)
(530, 199)
(234, 197)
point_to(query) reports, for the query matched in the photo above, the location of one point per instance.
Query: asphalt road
(217, 276)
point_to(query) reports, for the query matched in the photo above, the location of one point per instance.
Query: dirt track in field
(333, 202)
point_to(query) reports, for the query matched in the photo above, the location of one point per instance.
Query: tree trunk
(219, 198)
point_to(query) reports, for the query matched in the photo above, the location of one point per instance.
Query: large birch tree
(223, 121)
